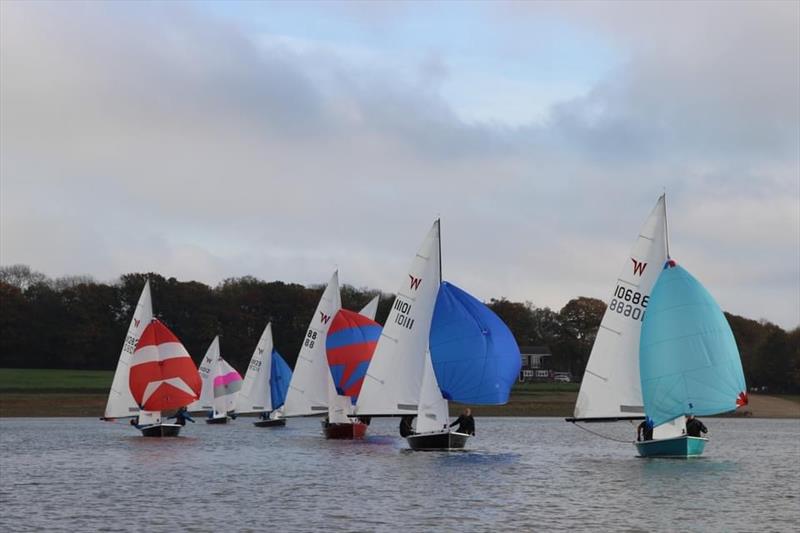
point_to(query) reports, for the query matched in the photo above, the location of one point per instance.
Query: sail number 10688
(628, 302)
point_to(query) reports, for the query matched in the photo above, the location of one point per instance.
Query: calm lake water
(519, 474)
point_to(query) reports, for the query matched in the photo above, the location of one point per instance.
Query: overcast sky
(210, 140)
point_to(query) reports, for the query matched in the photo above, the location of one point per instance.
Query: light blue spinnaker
(475, 356)
(279, 378)
(688, 359)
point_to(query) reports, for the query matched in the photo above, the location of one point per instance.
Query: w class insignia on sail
(638, 266)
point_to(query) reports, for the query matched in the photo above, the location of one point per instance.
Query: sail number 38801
(628, 302)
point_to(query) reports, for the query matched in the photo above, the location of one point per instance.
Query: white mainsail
(120, 400)
(370, 309)
(311, 382)
(432, 413)
(394, 376)
(207, 371)
(611, 387)
(255, 394)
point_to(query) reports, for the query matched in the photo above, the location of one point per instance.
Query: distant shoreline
(39, 404)
(62, 393)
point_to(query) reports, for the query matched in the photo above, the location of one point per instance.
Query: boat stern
(677, 447)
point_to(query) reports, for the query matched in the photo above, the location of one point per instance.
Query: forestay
(611, 387)
(255, 397)
(394, 376)
(689, 360)
(120, 400)
(475, 356)
(311, 383)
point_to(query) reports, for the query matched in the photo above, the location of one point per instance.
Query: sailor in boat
(406, 429)
(645, 430)
(466, 424)
(181, 416)
(694, 427)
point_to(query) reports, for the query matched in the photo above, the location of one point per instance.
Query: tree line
(77, 322)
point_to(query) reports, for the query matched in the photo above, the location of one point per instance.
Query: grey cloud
(163, 139)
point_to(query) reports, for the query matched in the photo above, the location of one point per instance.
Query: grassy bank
(33, 392)
(48, 381)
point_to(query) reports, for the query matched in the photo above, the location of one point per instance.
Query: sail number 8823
(628, 302)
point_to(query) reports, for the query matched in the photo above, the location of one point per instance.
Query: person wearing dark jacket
(466, 424)
(182, 416)
(406, 430)
(645, 430)
(694, 427)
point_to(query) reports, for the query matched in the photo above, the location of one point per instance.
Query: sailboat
(220, 384)
(611, 389)
(155, 387)
(473, 358)
(688, 361)
(438, 344)
(265, 383)
(350, 343)
(311, 384)
(162, 377)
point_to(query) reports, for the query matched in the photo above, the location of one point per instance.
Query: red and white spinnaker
(162, 374)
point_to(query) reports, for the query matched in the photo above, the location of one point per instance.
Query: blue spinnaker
(279, 379)
(688, 359)
(475, 356)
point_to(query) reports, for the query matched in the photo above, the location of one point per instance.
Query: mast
(439, 223)
(666, 224)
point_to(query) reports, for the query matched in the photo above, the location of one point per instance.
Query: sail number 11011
(628, 302)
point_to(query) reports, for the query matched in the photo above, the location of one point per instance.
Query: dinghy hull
(446, 440)
(161, 430)
(271, 423)
(355, 430)
(679, 447)
(218, 420)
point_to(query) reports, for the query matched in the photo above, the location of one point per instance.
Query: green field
(32, 381)
(27, 380)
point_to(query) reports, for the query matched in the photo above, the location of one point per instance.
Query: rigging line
(601, 435)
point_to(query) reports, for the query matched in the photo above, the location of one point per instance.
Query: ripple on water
(519, 474)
